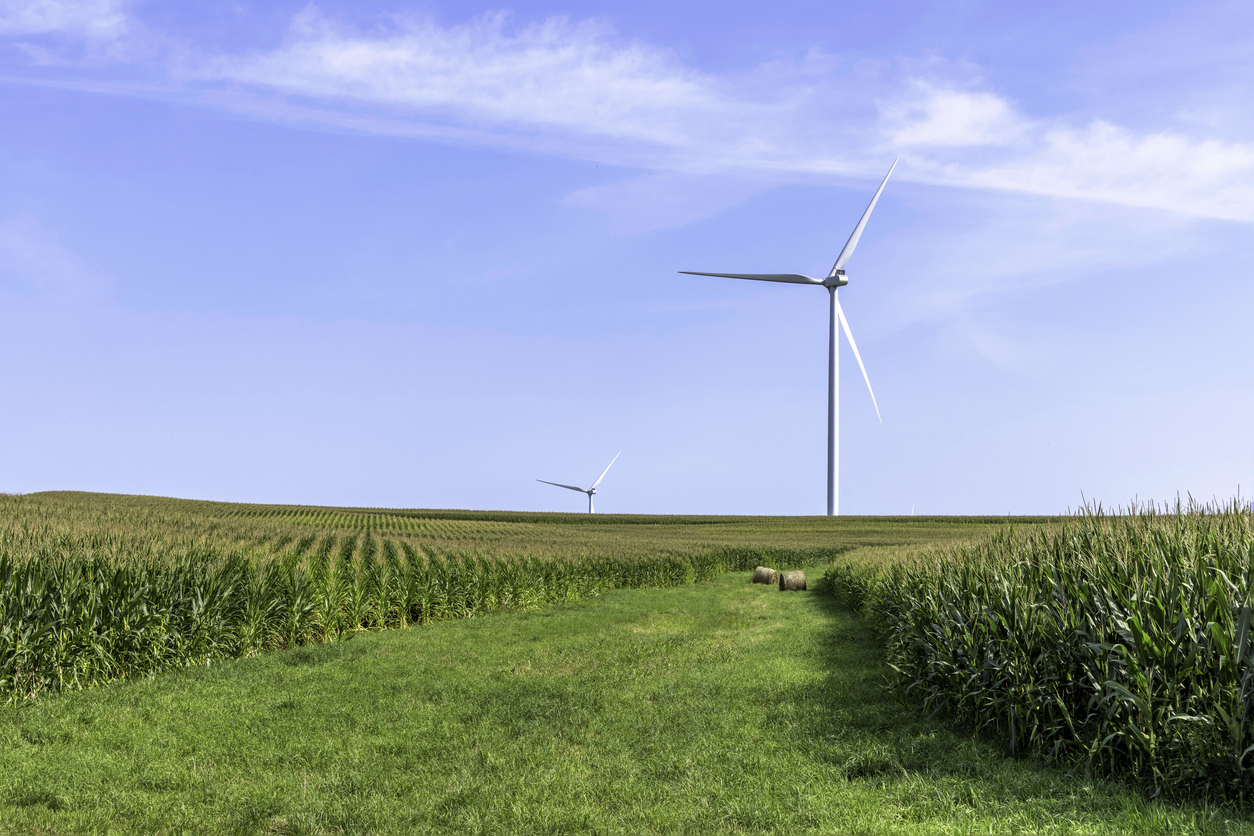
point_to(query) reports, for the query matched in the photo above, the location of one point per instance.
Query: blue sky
(422, 254)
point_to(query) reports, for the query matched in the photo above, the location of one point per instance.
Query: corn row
(68, 623)
(1120, 642)
(98, 587)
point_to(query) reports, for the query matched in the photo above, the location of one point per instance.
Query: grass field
(713, 708)
(564, 674)
(95, 588)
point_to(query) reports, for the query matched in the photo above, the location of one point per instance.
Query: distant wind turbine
(835, 279)
(589, 491)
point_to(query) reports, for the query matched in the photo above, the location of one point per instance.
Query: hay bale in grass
(793, 581)
(765, 574)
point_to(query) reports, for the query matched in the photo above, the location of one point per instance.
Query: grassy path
(719, 708)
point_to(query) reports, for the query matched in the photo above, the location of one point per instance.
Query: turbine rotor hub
(836, 279)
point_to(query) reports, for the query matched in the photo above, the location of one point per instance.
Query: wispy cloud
(574, 84)
(553, 74)
(87, 18)
(34, 262)
(1162, 170)
(986, 253)
(557, 81)
(928, 115)
(576, 88)
(1098, 161)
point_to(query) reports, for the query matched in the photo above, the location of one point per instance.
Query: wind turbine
(835, 279)
(589, 491)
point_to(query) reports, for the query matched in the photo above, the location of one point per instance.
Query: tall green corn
(1118, 641)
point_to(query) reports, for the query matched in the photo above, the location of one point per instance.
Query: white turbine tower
(592, 490)
(835, 279)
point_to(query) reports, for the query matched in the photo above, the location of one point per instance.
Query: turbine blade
(791, 278)
(567, 487)
(844, 323)
(857, 230)
(607, 469)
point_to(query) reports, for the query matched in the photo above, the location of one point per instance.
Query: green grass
(96, 588)
(714, 708)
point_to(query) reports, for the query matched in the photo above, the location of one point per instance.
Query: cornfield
(1117, 641)
(96, 587)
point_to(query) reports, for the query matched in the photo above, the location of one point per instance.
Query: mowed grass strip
(716, 708)
(96, 588)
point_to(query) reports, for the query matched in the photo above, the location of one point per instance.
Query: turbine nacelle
(836, 279)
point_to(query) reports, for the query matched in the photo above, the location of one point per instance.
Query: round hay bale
(765, 574)
(792, 581)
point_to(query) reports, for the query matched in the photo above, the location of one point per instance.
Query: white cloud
(90, 18)
(1104, 162)
(1021, 246)
(573, 88)
(576, 89)
(554, 75)
(938, 116)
